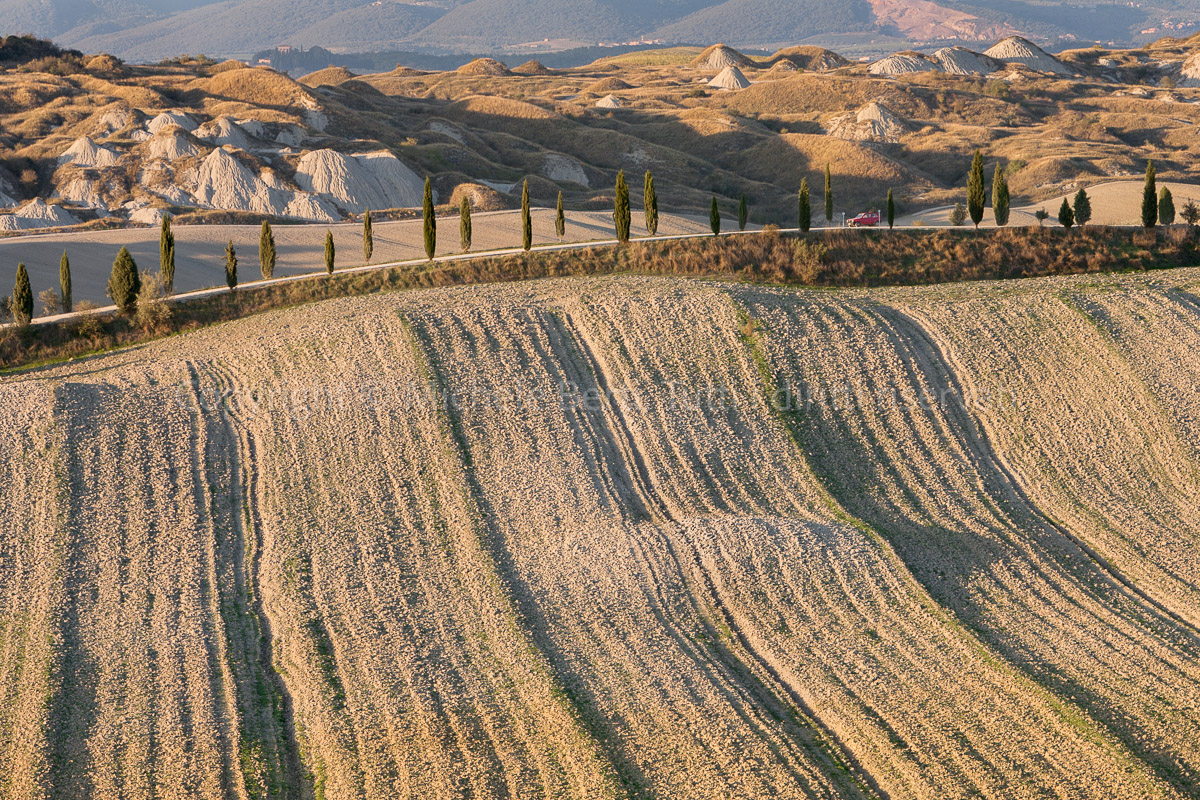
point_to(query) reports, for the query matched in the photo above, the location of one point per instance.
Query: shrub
(958, 215)
(807, 260)
(50, 302)
(153, 315)
(1191, 213)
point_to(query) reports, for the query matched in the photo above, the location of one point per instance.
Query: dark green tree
(976, 192)
(1041, 215)
(1000, 202)
(1083, 207)
(330, 252)
(1166, 207)
(266, 251)
(560, 218)
(526, 218)
(1066, 216)
(621, 213)
(464, 224)
(430, 220)
(891, 210)
(368, 238)
(1190, 213)
(743, 214)
(650, 203)
(1150, 198)
(714, 217)
(166, 254)
(828, 194)
(64, 282)
(805, 207)
(230, 266)
(21, 304)
(124, 283)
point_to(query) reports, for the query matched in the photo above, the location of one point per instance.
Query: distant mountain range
(154, 29)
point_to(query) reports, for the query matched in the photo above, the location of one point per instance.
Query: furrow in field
(885, 425)
(680, 718)
(31, 580)
(917, 702)
(142, 699)
(1088, 437)
(397, 642)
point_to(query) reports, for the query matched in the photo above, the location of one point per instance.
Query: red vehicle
(867, 220)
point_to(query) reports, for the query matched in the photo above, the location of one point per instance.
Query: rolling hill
(615, 538)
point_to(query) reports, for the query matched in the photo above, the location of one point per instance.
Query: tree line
(126, 285)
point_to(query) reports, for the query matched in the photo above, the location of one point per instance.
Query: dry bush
(153, 315)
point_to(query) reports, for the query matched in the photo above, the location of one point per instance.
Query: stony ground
(615, 538)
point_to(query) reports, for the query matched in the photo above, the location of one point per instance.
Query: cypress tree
(330, 253)
(1066, 216)
(166, 254)
(64, 282)
(1149, 198)
(526, 218)
(621, 214)
(1083, 207)
(743, 213)
(231, 266)
(266, 251)
(464, 224)
(828, 194)
(891, 210)
(430, 221)
(651, 204)
(976, 194)
(368, 238)
(1000, 204)
(22, 297)
(1166, 207)
(805, 207)
(124, 282)
(714, 217)
(560, 219)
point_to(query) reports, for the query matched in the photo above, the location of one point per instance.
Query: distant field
(616, 538)
(200, 249)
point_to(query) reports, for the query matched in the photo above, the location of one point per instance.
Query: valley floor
(616, 537)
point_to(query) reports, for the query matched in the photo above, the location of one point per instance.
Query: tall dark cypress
(1083, 207)
(231, 266)
(368, 238)
(650, 202)
(430, 221)
(1000, 202)
(166, 253)
(828, 194)
(805, 207)
(64, 282)
(1166, 207)
(743, 213)
(560, 218)
(526, 218)
(976, 192)
(266, 251)
(22, 297)
(714, 217)
(891, 210)
(621, 214)
(330, 252)
(464, 224)
(1150, 198)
